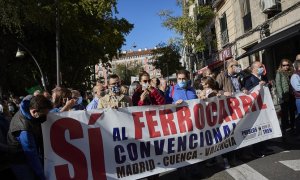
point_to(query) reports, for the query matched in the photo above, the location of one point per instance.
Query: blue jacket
(180, 93)
(93, 104)
(253, 81)
(27, 141)
(168, 99)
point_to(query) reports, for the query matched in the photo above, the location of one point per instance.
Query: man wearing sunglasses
(229, 81)
(25, 134)
(114, 98)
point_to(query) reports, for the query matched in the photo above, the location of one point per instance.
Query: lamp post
(167, 65)
(57, 44)
(126, 66)
(20, 54)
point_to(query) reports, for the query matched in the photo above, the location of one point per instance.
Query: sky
(148, 30)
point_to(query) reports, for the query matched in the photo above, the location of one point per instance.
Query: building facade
(139, 57)
(253, 30)
(129, 59)
(262, 30)
(214, 54)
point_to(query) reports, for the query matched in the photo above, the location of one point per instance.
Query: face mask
(102, 93)
(115, 89)
(145, 86)
(40, 119)
(182, 84)
(237, 70)
(260, 71)
(79, 100)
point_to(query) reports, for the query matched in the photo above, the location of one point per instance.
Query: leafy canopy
(192, 28)
(89, 30)
(167, 58)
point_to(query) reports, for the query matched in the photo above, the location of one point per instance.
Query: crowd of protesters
(20, 117)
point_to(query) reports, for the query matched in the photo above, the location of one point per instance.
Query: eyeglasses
(115, 83)
(285, 65)
(145, 81)
(101, 90)
(236, 65)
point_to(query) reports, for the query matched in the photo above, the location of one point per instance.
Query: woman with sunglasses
(146, 94)
(285, 93)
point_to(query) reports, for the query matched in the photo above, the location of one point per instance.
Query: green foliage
(126, 71)
(204, 17)
(190, 27)
(88, 31)
(167, 59)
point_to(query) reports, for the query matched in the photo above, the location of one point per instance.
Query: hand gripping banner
(135, 142)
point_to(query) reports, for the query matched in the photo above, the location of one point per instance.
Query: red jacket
(155, 98)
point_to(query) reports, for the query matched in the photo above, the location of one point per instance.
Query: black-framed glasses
(113, 84)
(236, 65)
(101, 90)
(145, 81)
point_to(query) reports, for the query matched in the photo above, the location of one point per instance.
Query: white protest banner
(136, 142)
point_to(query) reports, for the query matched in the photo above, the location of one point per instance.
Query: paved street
(283, 164)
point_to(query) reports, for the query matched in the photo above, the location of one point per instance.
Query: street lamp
(21, 54)
(57, 43)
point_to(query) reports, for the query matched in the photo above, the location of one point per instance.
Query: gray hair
(298, 57)
(230, 62)
(297, 64)
(254, 64)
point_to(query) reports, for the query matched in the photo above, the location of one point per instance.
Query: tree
(89, 31)
(126, 71)
(190, 27)
(167, 58)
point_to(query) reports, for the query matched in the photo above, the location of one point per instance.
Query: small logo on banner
(249, 133)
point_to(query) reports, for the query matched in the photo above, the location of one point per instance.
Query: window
(204, 2)
(224, 31)
(246, 14)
